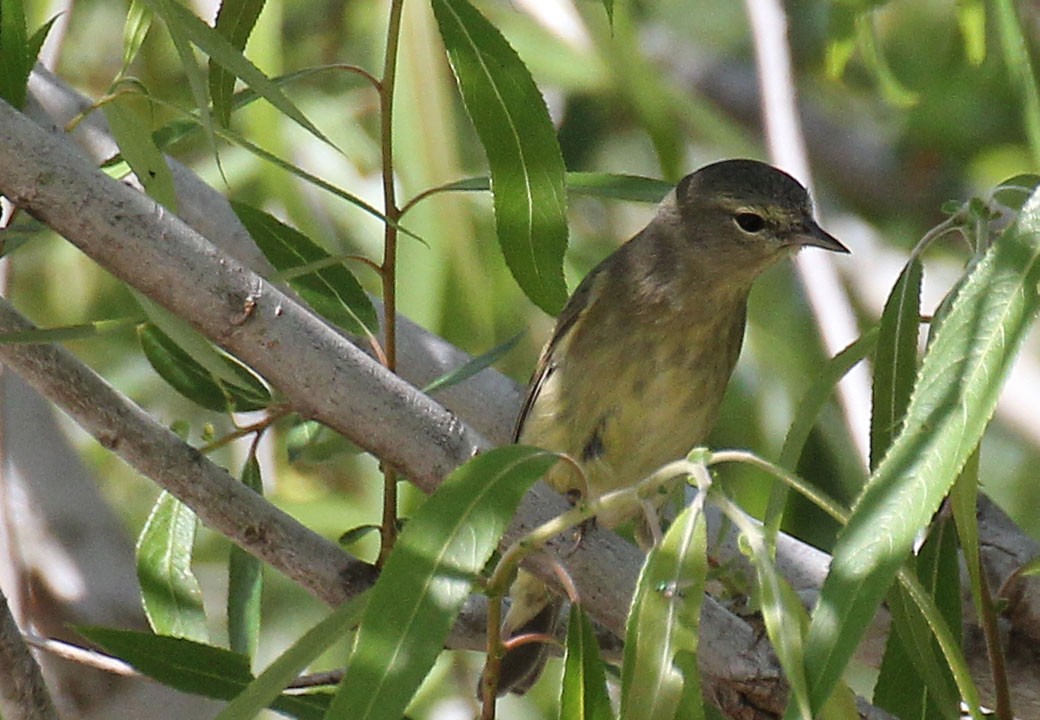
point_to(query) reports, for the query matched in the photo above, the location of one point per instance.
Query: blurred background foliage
(920, 115)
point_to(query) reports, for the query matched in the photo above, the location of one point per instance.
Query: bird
(636, 367)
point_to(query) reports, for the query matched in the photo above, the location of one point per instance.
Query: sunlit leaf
(664, 624)
(235, 22)
(584, 694)
(527, 171)
(427, 577)
(169, 590)
(953, 400)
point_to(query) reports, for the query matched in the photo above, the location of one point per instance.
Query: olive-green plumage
(638, 363)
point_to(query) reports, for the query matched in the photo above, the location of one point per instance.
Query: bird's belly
(650, 413)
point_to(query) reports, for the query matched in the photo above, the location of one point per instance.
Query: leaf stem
(388, 270)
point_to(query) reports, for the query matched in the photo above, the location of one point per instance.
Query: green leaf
(135, 30)
(663, 625)
(913, 682)
(197, 383)
(527, 171)
(971, 18)
(954, 398)
(170, 593)
(263, 691)
(38, 336)
(428, 576)
(1017, 59)
(612, 186)
(36, 42)
(806, 415)
(185, 27)
(584, 695)
(15, 61)
(195, 668)
(891, 89)
(332, 291)
(615, 186)
(235, 21)
(131, 132)
(245, 580)
(473, 366)
(895, 359)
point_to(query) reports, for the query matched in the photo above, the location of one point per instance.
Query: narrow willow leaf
(36, 41)
(15, 61)
(895, 359)
(132, 134)
(971, 18)
(785, 618)
(195, 382)
(664, 623)
(264, 691)
(428, 576)
(527, 171)
(170, 593)
(195, 668)
(196, 82)
(891, 89)
(1017, 59)
(332, 291)
(953, 400)
(613, 186)
(185, 27)
(584, 695)
(38, 336)
(245, 580)
(913, 681)
(473, 366)
(618, 187)
(135, 30)
(809, 408)
(235, 22)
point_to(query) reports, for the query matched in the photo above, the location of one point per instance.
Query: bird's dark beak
(813, 234)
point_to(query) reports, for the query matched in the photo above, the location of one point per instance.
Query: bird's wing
(584, 297)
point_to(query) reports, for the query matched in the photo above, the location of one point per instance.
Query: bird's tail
(533, 610)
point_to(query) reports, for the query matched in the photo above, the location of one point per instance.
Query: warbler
(635, 370)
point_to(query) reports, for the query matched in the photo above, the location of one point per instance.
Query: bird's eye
(749, 222)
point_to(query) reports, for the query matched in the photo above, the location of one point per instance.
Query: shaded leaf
(15, 61)
(245, 580)
(196, 668)
(332, 291)
(195, 382)
(895, 359)
(473, 366)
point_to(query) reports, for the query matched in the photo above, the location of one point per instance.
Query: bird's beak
(813, 234)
